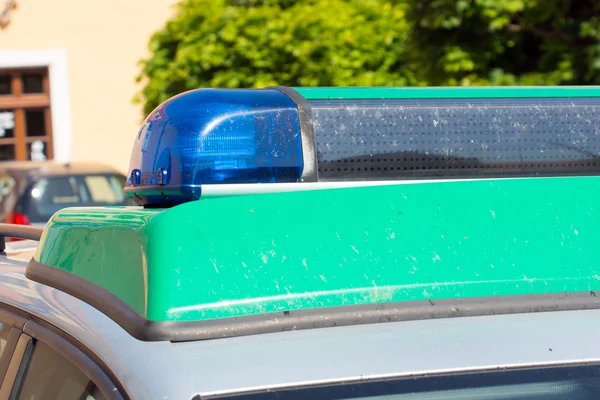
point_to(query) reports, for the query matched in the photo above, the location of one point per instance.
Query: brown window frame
(19, 102)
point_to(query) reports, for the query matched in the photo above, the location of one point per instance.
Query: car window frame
(412, 385)
(26, 330)
(16, 323)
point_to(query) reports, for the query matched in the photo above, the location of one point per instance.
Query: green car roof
(190, 270)
(237, 256)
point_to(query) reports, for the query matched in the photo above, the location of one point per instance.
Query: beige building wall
(92, 48)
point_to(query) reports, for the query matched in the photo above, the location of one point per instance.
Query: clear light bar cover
(372, 139)
(213, 136)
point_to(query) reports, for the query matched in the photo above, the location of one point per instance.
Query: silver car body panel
(147, 370)
(164, 370)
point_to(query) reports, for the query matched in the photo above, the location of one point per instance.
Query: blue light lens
(212, 136)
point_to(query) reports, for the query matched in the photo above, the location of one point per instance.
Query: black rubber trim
(18, 231)
(326, 317)
(192, 193)
(307, 131)
(76, 357)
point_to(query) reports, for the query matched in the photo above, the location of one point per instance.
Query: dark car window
(50, 376)
(48, 195)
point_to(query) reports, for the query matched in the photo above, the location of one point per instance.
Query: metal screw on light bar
(136, 177)
(162, 176)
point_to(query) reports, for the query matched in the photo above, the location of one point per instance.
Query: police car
(325, 243)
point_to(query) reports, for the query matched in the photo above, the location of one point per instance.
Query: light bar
(215, 136)
(282, 135)
(467, 138)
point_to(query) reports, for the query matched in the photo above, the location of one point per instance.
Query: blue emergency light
(214, 136)
(283, 135)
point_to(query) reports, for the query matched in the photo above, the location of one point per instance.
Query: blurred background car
(31, 192)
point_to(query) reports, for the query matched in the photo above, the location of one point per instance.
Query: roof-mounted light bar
(283, 135)
(214, 136)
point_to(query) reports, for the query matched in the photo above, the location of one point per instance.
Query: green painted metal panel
(105, 245)
(225, 257)
(323, 93)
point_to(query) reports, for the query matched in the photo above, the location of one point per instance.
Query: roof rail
(18, 231)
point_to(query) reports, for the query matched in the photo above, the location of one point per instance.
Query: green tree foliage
(506, 42)
(257, 43)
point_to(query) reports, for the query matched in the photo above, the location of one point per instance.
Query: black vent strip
(468, 138)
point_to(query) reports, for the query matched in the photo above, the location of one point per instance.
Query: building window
(25, 119)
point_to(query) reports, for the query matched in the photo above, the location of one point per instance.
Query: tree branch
(541, 33)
